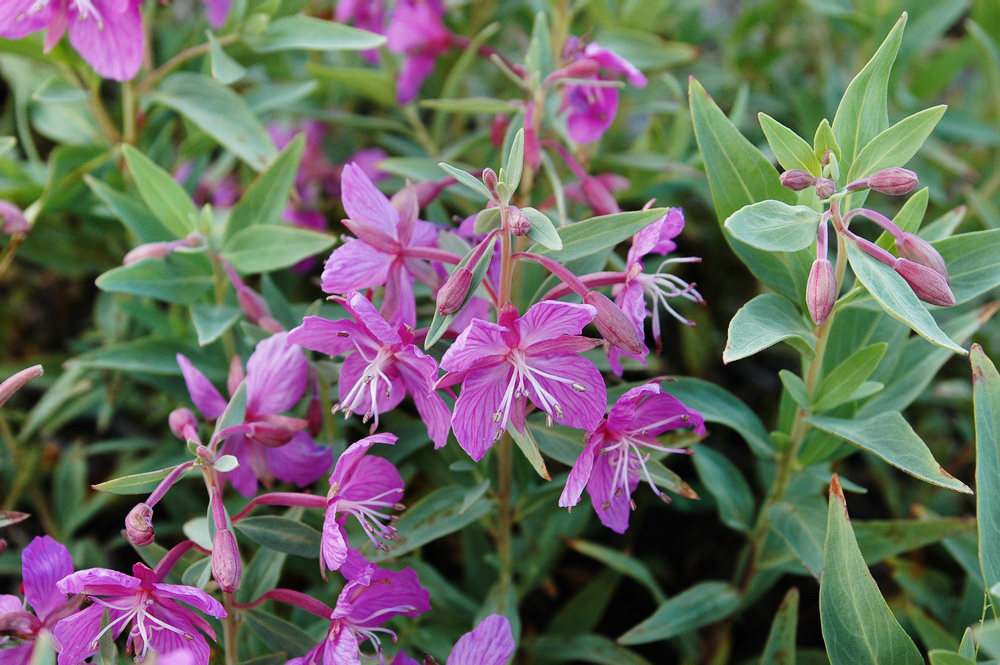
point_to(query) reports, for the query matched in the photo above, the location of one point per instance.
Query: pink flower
(158, 621)
(502, 365)
(107, 33)
(418, 32)
(613, 459)
(381, 367)
(386, 250)
(489, 643)
(362, 486)
(43, 563)
(217, 10)
(371, 597)
(267, 444)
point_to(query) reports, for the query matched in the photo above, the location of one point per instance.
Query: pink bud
(139, 525)
(825, 188)
(451, 296)
(918, 250)
(270, 324)
(518, 222)
(235, 376)
(797, 179)
(252, 303)
(490, 180)
(182, 421)
(14, 383)
(613, 325)
(894, 181)
(597, 196)
(14, 220)
(579, 69)
(270, 435)
(150, 250)
(821, 290)
(498, 128)
(928, 284)
(226, 568)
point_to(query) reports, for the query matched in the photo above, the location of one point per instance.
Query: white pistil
(85, 9)
(368, 383)
(522, 377)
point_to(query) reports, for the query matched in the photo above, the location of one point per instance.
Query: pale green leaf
(763, 322)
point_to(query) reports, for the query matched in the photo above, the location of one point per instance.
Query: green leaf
(108, 650)
(220, 112)
(972, 263)
(792, 151)
(224, 68)
(155, 354)
(487, 220)
(163, 196)
(374, 84)
(467, 179)
(943, 657)
(539, 55)
(137, 483)
(210, 321)
(718, 405)
(896, 145)
(881, 539)
(543, 231)
(529, 448)
(278, 634)
(265, 199)
(780, 647)
(515, 161)
(796, 388)
(740, 175)
(470, 105)
(986, 398)
(434, 516)
(440, 322)
(763, 322)
(863, 111)
(727, 485)
(824, 140)
(130, 212)
(301, 32)
(57, 90)
(907, 219)
(235, 412)
(896, 297)
(839, 385)
(599, 233)
(890, 437)
(858, 626)
(198, 573)
(281, 534)
(178, 278)
(264, 248)
(801, 527)
(577, 648)
(774, 226)
(622, 563)
(702, 604)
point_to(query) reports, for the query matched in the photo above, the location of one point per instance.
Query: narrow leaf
(178, 278)
(467, 179)
(300, 32)
(896, 145)
(780, 647)
(791, 150)
(986, 398)
(840, 384)
(542, 231)
(727, 486)
(282, 535)
(163, 196)
(515, 161)
(264, 248)
(265, 199)
(592, 235)
(702, 604)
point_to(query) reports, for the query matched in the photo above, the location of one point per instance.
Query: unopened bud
(252, 303)
(181, 422)
(490, 180)
(894, 181)
(598, 197)
(928, 284)
(918, 250)
(150, 250)
(13, 219)
(270, 435)
(613, 325)
(821, 290)
(14, 383)
(825, 188)
(139, 525)
(226, 567)
(518, 222)
(797, 179)
(451, 296)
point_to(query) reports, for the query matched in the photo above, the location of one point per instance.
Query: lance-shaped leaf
(727, 486)
(972, 262)
(763, 322)
(986, 397)
(301, 32)
(165, 198)
(137, 483)
(178, 278)
(889, 436)
(839, 385)
(224, 68)
(896, 145)
(515, 161)
(268, 247)
(702, 604)
(542, 231)
(858, 626)
(718, 405)
(529, 448)
(266, 197)
(791, 150)
(467, 179)
(282, 535)
(780, 647)
(774, 226)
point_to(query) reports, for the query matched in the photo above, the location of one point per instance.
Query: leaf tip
(837, 492)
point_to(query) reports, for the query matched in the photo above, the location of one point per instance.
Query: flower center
(85, 9)
(522, 381)
(368, 384)
(368, 513)
(627, 457)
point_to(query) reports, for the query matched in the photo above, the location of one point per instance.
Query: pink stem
(432, 254)
(296, 598)
(283, 499)
(557, 269)
(167, 483)
(171, 558)
(593, 280)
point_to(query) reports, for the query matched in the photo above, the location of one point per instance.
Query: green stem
(229, 629)
(228, 343)
(128, 113)
(505, 550)
(152, 77)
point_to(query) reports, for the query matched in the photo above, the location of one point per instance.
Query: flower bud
(928, 284)
(894, 181)
(518, 222)
(825, 188)
(182, 421)
(797, 179)
(451, 296)
(821, 290)
(226, 568)
(918, 250)
(598, 197)
(14, 383)
(139, 525)
(613, 325)
(13, 219)
(252, 303)
(150, 250)
(490, 180)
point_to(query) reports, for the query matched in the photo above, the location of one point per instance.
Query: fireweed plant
(380, 457)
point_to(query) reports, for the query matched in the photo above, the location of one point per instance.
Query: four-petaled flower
(158, 621)
(613, 458)
(381, 366)
(502, 365)
(386, 249)
(267, 444)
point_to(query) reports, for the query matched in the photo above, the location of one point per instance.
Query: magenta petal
(657, 238)
(217, 10)
(372, 477)
(622, 412)
(489, 643)
(365, 203)
(349, 459)
(651, 413)
(98, 581)
(593, 111)
(416, 69)
(472, 422)
(355, 265)
(480, 343)
(365, 314)
(300, 461)
(244, 477)
(192, 596)
(276, 376)
(203, 393)
(399, 306)
(581, 409)
(389, 592)
(43, 563)
(611, 61)
(402, 659)
(112, 44)
(352, 373)
(19, 18)
(550, 319)
(76, 633)
(330, 337)
(434, 412)
(579, 475)
(166, 641)
(19, 655)
(333, 545)
(10, 603)
(616, 516)
(341, 649)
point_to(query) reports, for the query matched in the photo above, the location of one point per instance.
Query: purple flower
(489, 643)
(613, 458)
(418, 32)
(158, 621)
(365, 14)
(362, 486)
(657, 238)
(502, 365)
(107, 33)
(371, 597)
(217, 10)
(381, 367)
(267, 444)
(43, 563)
(385, 250)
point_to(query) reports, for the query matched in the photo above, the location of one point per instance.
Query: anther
(580, 388)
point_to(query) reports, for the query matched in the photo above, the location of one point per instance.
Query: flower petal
(482, 343)
(75, 634)
(112, 43)
(593, 110)
(355, 265)
(368, 317)
(167, 641)
(353, 373)
(192, 596)
(472, 421)
(276, 376)
(579, 475)
(550, 319)
(244, 477)
(387, 596)
(581, 409)
(416, 69)
(612, 510)
(660, 413)
(657, 238)
(489, 643)
(19, 18)
(43, 563)
(365, 203)
(334, 338)
(333, 544)
(300, 461)
(203, 393)
(622, 412)
(372, 477)
(98, 582)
